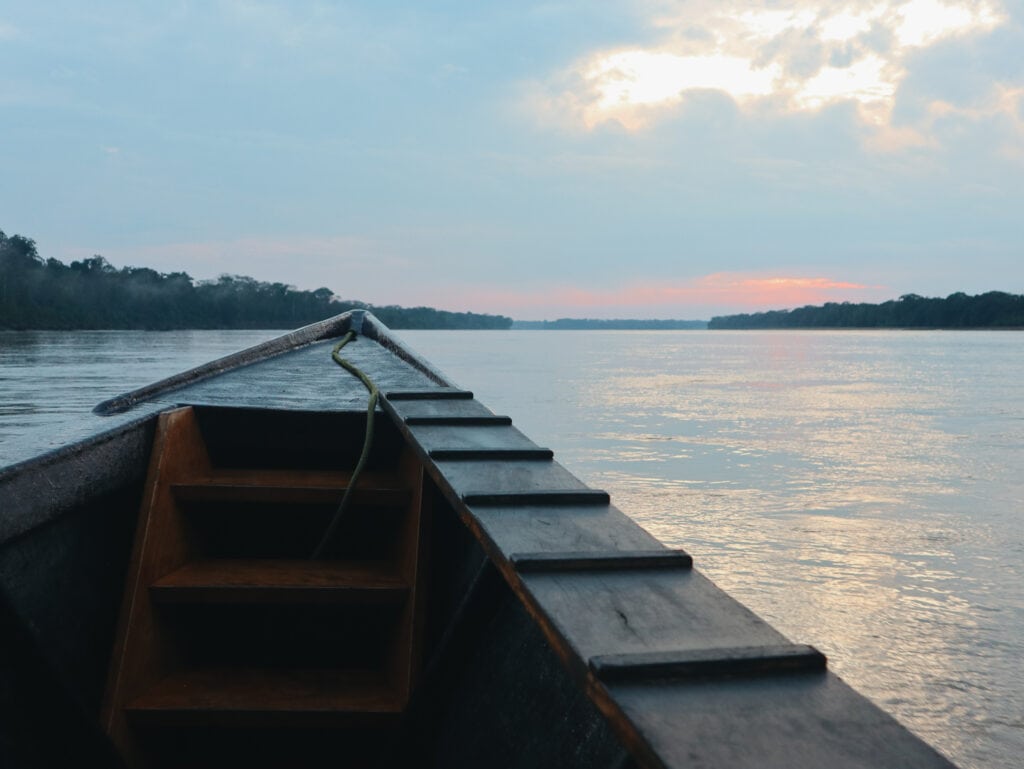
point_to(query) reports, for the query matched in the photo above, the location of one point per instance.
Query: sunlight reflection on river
(860, 490)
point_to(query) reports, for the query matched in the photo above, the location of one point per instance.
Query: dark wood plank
(537, 497)
(456, 420)
(266, 493)
(438, 408)
(280, 581)
(474, 453)
(438, 393)
(495, 476)
(771, 722)
(709, 663)
(613, 560)
(142, 653)
(406, 648)
(301, 478)
(613, 612)
(271, 697)
(495, 442)
(577, 528)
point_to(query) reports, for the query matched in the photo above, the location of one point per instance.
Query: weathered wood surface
(561, 528)
(437, 437)
(495, 477)
(266, 580)
(410, 409)
(609, 612)
(271, 697)
(802, 721)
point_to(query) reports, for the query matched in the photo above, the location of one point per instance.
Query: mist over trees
(38, 293)
(994, 309)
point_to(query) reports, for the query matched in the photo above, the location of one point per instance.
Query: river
(861, 490)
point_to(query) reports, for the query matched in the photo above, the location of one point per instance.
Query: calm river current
(863, 491)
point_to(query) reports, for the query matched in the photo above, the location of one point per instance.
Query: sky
(634, 159)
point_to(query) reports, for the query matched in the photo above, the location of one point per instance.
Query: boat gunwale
(361, 321)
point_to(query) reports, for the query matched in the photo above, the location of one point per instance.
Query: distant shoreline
(991, 310)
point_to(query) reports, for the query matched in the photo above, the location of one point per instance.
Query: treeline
(574, 324)
(37, 293)
(994, 309)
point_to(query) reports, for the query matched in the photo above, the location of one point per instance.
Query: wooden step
(280, 581)
(271, 697)
(290, 487)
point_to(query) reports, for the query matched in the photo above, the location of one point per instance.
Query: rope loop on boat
(371, 408)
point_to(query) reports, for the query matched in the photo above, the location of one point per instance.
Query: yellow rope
(371, 408)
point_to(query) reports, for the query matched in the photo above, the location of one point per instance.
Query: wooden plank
(457, 420)
(535, 497)
(496, 476)
(413, 556)
(613, 560)
(770, 722)
(271, 697)
(441, 408)
(474, 453)
(709, 663)
(611, 612)
(484, 438)
(142, 653)
(545, 528)
(301, 478)
(221, 491)
(437, 393)
(279, 581)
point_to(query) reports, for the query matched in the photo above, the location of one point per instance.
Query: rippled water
(864, 491)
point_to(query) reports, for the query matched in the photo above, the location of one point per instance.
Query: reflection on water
(45, 376)
(861, 490)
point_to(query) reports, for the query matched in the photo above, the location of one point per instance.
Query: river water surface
(863, 491)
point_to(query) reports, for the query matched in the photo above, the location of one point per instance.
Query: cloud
(803, 58)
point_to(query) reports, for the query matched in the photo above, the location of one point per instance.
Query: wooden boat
(479, 606)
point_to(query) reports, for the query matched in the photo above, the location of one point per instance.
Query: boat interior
(398, 645)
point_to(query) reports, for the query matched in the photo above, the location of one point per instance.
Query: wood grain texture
(280, 491)
(786, 722)
(417, 409)
(142, 654)
(270, 697)
(560, 528)
(447, 437)
(280, 581)
(608, 612)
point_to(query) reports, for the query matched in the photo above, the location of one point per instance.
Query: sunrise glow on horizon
(696, 299)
